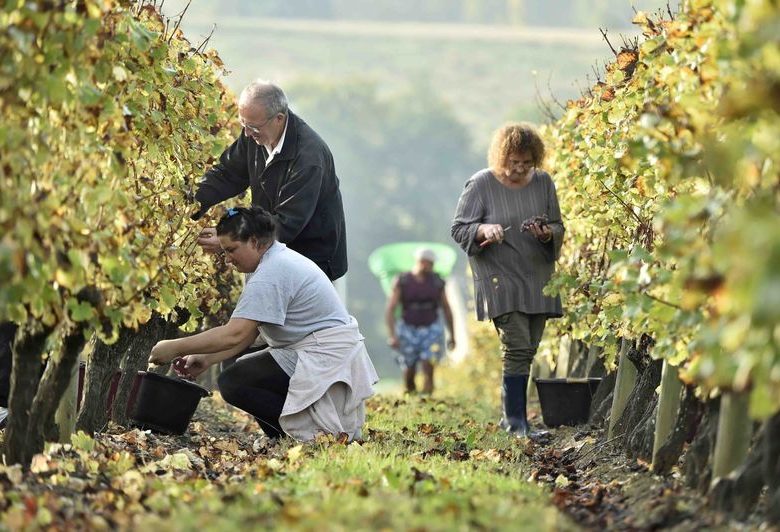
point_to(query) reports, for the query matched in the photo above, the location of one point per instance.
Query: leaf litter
(123, 478)
(599, 487)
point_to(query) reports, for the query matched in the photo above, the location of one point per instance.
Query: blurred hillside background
(406, 94)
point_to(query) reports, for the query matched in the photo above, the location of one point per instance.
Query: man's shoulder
(437, 280)
(404, 277)
(433, 277)
(309, 141)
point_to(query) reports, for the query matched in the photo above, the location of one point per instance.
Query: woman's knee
(520, 364)
(260, 372)
(228, 384)
(517, 358)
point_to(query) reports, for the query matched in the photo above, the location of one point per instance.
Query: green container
(388, 261)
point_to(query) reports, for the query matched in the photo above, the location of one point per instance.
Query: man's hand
(393, 342)
(162, 352)
(208, 240)
(190, 366)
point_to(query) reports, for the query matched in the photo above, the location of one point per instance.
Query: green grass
(426, 464)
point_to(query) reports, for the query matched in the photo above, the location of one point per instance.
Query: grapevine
(668, 177)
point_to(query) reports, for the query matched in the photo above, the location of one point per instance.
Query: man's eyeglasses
(255, 129)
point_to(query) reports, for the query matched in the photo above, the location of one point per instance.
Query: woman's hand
(190, 366)
(541, 231)
(163, 352)
(490, 233)
(208, 240)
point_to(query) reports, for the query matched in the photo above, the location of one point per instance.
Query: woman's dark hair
(243, 223)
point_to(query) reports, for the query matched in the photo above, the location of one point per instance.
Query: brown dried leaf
(229, 446)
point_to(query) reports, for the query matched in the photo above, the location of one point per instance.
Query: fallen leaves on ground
(121, 477)
(599, 487)
(106, 480)
(429, 465)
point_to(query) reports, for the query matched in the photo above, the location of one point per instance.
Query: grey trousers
(519, 335)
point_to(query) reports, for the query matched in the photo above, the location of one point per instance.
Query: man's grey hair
(266, 94)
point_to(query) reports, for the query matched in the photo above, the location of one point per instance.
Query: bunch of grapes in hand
(539, 220)
(179, 367)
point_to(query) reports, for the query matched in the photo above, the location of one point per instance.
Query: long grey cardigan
(510, 276)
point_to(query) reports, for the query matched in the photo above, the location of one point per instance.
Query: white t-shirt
(290, 298)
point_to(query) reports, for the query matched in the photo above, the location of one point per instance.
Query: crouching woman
(315, 374)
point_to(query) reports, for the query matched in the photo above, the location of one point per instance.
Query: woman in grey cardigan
(509, 223)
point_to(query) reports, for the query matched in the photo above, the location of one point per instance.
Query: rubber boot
(515, 419)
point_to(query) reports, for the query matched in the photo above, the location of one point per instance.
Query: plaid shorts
(420, 343)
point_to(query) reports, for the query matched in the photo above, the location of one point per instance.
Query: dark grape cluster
(540, 220)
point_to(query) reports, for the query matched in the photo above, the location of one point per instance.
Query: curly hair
(513, 139)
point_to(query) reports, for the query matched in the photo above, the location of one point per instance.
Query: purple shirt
(420, 298)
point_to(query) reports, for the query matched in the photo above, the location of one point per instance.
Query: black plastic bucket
(566, 401)
(166, 404)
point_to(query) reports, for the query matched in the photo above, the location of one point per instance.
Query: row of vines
(109, 116)
(668, 170)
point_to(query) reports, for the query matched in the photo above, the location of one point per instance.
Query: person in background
(316, 374)
(419, 334)
(509, 224)
(291, 174)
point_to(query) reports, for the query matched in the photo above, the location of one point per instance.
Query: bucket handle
(204, 392)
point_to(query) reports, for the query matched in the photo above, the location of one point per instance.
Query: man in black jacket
(290, 171)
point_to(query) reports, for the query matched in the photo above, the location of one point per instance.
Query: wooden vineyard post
(562, 360)
(734, 432)
(594, 352)
(539, 369)
(626, 378)
(668, 406)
